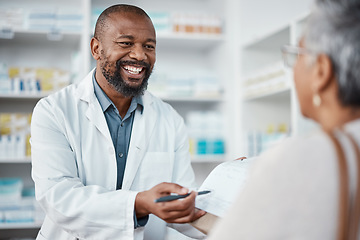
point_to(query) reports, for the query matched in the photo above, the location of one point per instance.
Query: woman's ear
(322, 72)
(95, 48)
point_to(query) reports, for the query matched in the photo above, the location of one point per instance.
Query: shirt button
(122, 124)
(121, 155)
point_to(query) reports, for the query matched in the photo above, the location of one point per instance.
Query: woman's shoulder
(310, 144)
(305, 154)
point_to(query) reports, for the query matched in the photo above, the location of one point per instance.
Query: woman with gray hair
(308, 188)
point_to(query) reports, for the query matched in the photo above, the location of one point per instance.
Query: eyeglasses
(291, 54)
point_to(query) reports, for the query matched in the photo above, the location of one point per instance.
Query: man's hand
(177, 211)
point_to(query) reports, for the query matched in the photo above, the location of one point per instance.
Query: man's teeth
(133, 70)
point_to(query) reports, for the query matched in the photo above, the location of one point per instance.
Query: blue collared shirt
(120, 131)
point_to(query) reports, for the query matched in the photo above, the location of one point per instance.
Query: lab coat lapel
(93, 112)
(142, 131)
(95, 116)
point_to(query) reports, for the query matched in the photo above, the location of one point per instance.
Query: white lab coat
(74, 164)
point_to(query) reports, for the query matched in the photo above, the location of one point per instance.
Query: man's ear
(323, 73)
(95, 48)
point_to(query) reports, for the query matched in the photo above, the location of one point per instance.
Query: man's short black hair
(102, 22)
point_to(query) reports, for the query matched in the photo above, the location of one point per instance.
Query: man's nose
(137, 52)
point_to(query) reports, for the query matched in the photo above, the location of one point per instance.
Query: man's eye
(125, 43)
(149, 46)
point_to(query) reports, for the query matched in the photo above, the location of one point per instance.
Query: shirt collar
(105, 102)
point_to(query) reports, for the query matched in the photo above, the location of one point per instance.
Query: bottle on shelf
(260, 141)
(206, 134)
(5, 84)
(14, 136)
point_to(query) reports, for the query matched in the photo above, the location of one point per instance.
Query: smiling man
(104, 149)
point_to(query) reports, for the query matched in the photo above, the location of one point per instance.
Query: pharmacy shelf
(191, 99)
(19, 103)
(269, 39)
(265, 100)
(270, 93)
(28, 225)
(23, 96)
(279, 94)
(189, 41)
(15, 160)
(40, 36)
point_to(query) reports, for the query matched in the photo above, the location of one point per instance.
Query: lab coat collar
(85, 91)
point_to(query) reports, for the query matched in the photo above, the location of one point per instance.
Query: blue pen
(176, 197)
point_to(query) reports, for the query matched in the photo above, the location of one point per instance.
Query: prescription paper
(225, 182)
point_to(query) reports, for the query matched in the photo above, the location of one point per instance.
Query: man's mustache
(133, 63)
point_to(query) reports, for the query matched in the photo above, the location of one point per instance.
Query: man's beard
(118, 83)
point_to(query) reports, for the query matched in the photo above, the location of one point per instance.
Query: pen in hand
(175, 197)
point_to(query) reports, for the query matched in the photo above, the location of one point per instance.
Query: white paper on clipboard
(225, 182)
